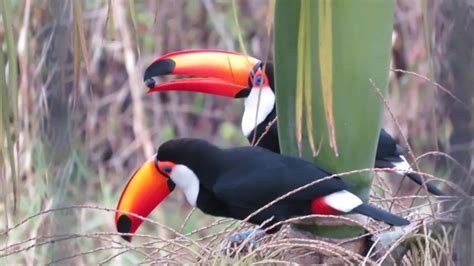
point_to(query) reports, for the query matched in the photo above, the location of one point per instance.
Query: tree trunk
(454, 36)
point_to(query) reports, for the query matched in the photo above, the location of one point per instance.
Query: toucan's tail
(403, 168)
(419, 180)
(380, 215)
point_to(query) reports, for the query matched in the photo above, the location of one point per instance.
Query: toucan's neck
(258, 106)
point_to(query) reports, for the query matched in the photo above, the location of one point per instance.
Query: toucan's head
(173, 165)
(213, 71)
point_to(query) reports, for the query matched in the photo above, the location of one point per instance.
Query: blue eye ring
(259, 80)
(167, 169)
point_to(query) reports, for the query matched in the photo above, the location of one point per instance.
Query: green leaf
(326, 53)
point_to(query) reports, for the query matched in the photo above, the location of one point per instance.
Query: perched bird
(235, 75)
(235, 183)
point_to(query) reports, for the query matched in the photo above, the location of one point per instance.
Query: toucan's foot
(250, 235)
(255, 233)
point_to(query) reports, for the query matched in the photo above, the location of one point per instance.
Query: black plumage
(387, 155)
(236, 182)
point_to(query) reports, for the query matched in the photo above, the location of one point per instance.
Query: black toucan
(235, 75)
(236, 182)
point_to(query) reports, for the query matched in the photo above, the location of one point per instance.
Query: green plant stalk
(349, 44)
(79, 34)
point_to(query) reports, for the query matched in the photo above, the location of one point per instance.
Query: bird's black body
(232, 185)
(387, 148)
(387, 155)
(236, 182)
(388, 151)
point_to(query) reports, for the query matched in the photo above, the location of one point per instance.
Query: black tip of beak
(124, 224)
(243, 93)
(150, 83)
(159, 68)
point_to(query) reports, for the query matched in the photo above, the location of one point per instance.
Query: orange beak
(216, 72)
(145, 190)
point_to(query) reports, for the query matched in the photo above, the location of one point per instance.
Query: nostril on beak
(124, 224)
(150, 83)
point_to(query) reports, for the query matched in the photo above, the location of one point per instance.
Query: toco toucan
(235, 75)
(235, 183)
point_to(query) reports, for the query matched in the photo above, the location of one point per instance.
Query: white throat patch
(187, 180)
(267, 102)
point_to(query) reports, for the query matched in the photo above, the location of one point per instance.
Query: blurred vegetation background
(76, 120)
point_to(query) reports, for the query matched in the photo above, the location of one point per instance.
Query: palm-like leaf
(326, 53)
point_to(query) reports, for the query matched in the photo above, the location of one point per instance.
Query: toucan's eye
(167, 169)
(258, 80)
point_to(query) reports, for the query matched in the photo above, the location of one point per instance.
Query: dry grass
(428, 238)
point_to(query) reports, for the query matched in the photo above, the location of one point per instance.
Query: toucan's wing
(387, 147)
(261, 183)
